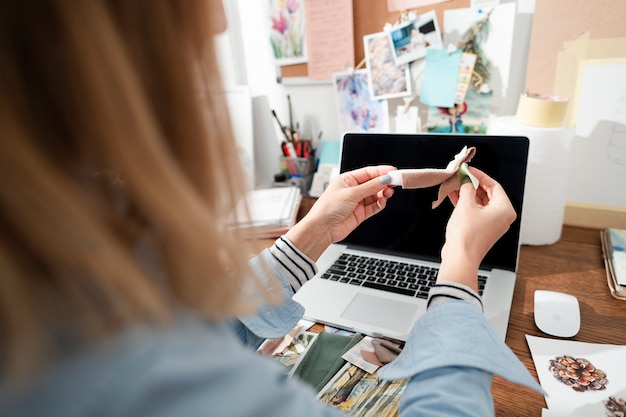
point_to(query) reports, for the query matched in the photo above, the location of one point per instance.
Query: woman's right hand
(349, 199)
(480, 217)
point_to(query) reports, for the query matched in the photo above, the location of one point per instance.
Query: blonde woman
(122, 291)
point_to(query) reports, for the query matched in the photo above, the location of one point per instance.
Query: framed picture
(410, 40)
(357, 111)
(386, 79)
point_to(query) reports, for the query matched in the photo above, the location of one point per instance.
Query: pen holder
(297, 166)
(299, 171)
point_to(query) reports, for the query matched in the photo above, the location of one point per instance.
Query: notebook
(407, 236)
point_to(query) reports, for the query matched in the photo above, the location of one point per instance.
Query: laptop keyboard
(381, 274)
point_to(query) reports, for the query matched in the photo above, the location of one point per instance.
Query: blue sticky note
(441, 74)
(329, 152)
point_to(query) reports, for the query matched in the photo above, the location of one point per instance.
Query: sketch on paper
(616, 149)
(598, 152)
(496, 49)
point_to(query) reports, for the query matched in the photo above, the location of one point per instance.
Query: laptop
(376, 281)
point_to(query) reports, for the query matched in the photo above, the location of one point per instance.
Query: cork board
(370, 17)
(559, 21)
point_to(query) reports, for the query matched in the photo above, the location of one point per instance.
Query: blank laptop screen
(409, 225)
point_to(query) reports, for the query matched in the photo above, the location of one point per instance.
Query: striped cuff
(447, 290)
(297, 266)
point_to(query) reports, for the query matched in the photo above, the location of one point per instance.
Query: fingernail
(385, 179)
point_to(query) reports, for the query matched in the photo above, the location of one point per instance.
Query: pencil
(290, 116)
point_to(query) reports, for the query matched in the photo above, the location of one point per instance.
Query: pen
(291, 150)
(307, 148)
(299, 149)
(284, 148)
(282, 128)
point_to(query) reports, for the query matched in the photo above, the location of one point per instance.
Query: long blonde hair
(106, 147)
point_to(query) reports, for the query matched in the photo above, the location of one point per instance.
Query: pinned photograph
(356, 110)
(411, 39)
(470, 116)
(386, 79)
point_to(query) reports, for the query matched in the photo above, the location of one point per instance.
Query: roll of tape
(541, 110)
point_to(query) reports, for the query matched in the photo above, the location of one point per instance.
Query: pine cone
(578, 373)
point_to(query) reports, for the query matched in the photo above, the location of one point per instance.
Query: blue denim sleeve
(275, 321)
(450, 367)
(190, 368)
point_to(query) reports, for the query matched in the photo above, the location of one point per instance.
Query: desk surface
(574, 265)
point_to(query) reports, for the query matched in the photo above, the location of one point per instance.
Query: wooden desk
(573, 265)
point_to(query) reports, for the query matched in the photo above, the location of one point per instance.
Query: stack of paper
(270, 212)
(614, 254)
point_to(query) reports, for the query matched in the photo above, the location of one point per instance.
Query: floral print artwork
(287, 31)
(358, 112)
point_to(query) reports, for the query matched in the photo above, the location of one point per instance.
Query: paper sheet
(498, 48)
(599, 146)
(555, 359)
(356, 355)
(398, 5)
(440, 77)
(329, 32)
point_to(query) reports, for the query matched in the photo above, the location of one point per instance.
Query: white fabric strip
(396, 178)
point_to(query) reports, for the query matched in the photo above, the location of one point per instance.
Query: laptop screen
(408, 225)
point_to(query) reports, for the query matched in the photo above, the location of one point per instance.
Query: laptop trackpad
(381, 312)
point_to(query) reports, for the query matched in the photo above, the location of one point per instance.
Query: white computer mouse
(557, 313)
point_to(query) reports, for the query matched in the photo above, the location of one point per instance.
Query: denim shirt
(269, 322)
(195, 368)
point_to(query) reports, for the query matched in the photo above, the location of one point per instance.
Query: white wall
(309, 98)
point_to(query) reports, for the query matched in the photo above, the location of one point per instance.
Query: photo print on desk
(358, 393)
(287, 34)
(356, 110)
(386, 79)
(581, 379)
(410, 40)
